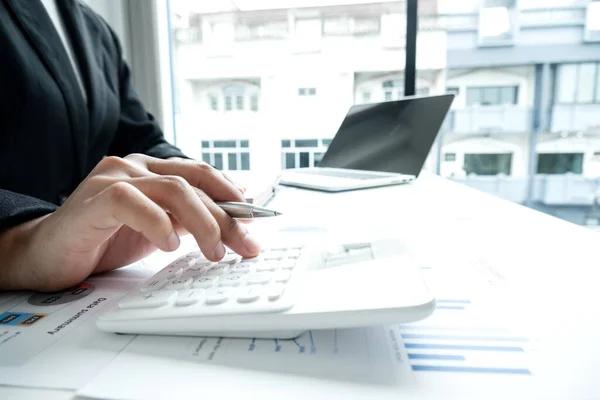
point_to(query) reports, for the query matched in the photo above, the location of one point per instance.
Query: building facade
(266, 88)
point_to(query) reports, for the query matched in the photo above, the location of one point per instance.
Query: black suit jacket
(50, 138)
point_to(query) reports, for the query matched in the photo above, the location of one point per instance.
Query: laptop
(377, 144)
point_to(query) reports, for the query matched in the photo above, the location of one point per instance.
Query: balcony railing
(489, 119)
(550, 190)
(576, 117)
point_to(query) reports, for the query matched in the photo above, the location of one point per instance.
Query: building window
(578, 83)
(496, 22)
(560, 163)
(422, 91)
(592, 23)
(214, 102)
(226, 155)
(307, 91)
(453, 90)
(239, 102)
(228, 104)
(366, 96)
(492, 95)
(254, 103)
(450, 157)
(276, 29)
(303, 153)
(393, 89)
(488, 164)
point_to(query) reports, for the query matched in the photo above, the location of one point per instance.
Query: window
(239, 102)
(488, 164)
(290, 160)
(214, 102)
(261, 30)
(388, 95)
(592, 22)
(254, 103)
(492, 95)
(366, 96)
(422, 91)
(303, 153)
(567, 79)
(578, 83)
(450, 157)
(226, 154)
(307, 91)
(228, 105)
(307, 143)
(560, 163)
(304, 159)
(496, 22)
(453, 90)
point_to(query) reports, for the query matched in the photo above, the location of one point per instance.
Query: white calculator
(281, 293)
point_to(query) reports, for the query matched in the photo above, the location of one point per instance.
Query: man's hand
(125, 209)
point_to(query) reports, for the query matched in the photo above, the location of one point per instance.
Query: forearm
(15, 256)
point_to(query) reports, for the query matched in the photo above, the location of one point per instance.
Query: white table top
(540, 254)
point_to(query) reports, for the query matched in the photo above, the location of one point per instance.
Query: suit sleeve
(17, 208)
(138, 131)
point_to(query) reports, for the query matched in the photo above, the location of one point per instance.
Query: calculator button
(258, 258)
(275, 291)
(187, 297)
(267, 266)
(192, 271)
(171, 272)
(242, 268)
(149, 300)
(153, 284)
(281, 276)
(288, 264)
(179, 283)
(258, 278)
(231, 280)
(248, 294)
(202, 262)
(218, 269)
(231, 259)
(205, 281)
(275, 255)
(218, 295)
(197, 254)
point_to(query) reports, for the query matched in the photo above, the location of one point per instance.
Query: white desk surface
(555, 261)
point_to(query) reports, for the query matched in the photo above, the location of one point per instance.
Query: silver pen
(246, 210)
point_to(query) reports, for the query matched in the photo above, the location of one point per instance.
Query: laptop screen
(394, 136)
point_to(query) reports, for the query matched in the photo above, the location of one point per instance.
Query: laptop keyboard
(343, 174)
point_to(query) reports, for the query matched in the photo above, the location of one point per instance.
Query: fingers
(233, 233)
(198, 174)
(199, 215)
(123, 204)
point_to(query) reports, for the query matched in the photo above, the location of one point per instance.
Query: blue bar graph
(481, 370)
(464, 337)
(449, 357)
(431, 346)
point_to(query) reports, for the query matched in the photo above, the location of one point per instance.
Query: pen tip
(278, 213)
